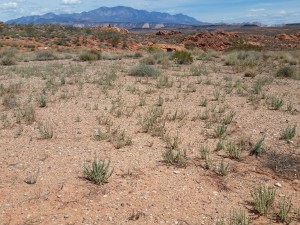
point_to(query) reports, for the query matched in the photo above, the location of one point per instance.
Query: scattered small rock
(278, 184)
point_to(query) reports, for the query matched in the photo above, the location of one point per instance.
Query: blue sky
(267, 12)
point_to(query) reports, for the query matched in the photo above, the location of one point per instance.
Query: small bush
(32, 177)
(44, 56)
(257, 149)
(10, 101)
(148, 61)
(45, 131)
(29, 114)
(143, 70)
(285, 207)
(222, 169)
(138, 55)
(98, 172)
(220, 131)
(233, 150)
(42, 101)
(174, 157)
(276, 103)
(263, 198)
(285, 71)
(238, 218)
(183, 57)
(8, 61)
(91, 55)
(289, 132)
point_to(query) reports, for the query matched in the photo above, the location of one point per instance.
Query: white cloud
(70, 2)
(257, 10)
(9, 5)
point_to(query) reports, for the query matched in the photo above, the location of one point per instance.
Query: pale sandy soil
(142, 189)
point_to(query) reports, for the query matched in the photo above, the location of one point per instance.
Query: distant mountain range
(119, 14)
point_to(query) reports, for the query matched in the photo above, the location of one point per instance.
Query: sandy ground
(143, 189)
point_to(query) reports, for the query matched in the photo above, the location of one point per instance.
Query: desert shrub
(10, 101)
(29, 114)
(276, 103)
(183, 57)
(32, 177)
(189, 45)
(289, 132)
(285, 207)
(10, 53)
(285, 71)
(153, 49)
(263, 199)
(257, 149)
(42, 101)
(150, 60)
(143, 70)
(138, 55)
(222, 169)
(44, 56)
(174, 157)
(46, 131)
(61, 42)
(8, 61)
(238, 218)
(241, 44)
(98, 172)
(91, 55)
(115, 40)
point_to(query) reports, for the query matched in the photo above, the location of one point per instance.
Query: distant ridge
(119, 14)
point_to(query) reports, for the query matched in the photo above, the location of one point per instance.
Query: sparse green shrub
(204, 151)
(276, 103)
(143, 70)
(29, 114)
(222, 169)
(216, 94)
(148, 60)
(164, 82)
(42, 101)
(98, 172)
(124, 45)
(91, 55)
(10, 101)
(174, 157)
(257, 149)
(285, 71)
(138, 55)
(100, 135)
(228, 118)
(32, 177)
(263, 198)
(46, 131)
(198, 70)
(153, 122)
(44, 56)
(285, 207)
(119, 139)
(220, 131)
(8, 61)
(238, 218)
(183, 57)
(154, 49)
(233, 150)
(289, 132)
(220, 146)
(203, 102)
